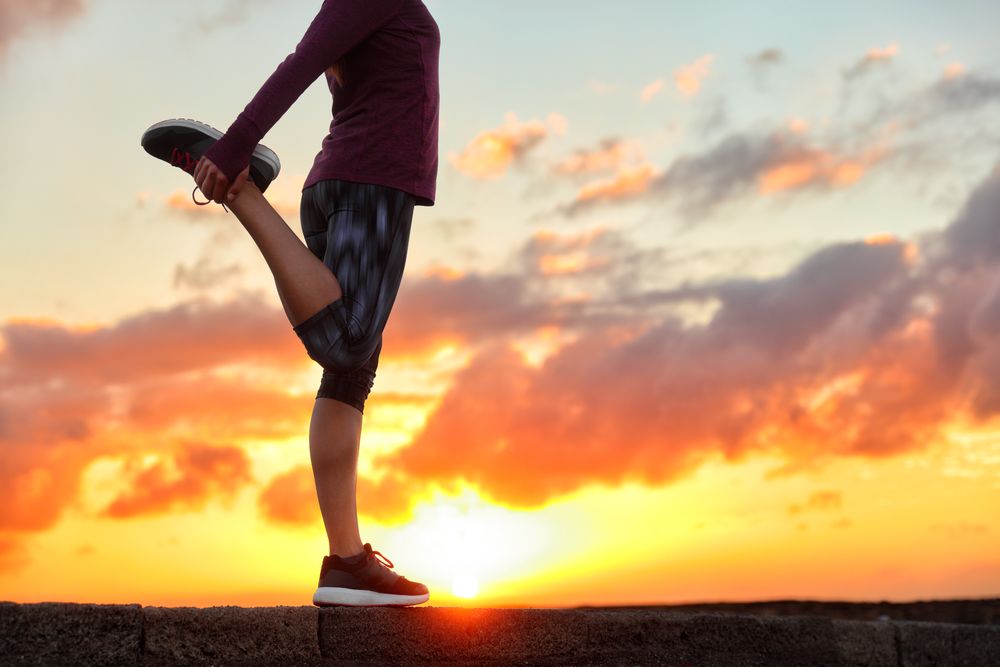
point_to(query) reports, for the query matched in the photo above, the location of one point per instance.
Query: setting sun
(465, 586)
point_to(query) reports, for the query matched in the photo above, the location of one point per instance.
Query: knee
(333, 341)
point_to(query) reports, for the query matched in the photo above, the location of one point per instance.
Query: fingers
(238, 184)
(207, 184)
(214, 184)
(219, 186)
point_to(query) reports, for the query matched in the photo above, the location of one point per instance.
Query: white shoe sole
(261, 151)
(329, 595)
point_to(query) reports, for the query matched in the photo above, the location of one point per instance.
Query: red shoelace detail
(182, 159)
(382, 558)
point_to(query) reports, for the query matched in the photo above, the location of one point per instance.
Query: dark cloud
(761, 63)
(877, 58)
(733, 167)
(713, 119)
(938, 103)
(205, 273)
(766, 57)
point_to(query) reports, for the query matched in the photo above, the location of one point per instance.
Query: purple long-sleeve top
(380, 58)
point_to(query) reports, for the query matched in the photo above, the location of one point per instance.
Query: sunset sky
(707, 309)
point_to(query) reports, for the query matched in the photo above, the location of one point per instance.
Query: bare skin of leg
(334, 441)
(305, 285)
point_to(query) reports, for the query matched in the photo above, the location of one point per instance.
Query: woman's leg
(334, 441)
(305, 285)
(359, 232)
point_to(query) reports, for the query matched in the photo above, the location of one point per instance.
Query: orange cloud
(801, 168)
(202, 472)
(216, 408)
(618, 403)
(181, 201)
(18, 17)
(688, 78)
(557, 254)
(627, 182)
(290, 498)
(954, 70)
(822, 500)
(284, 195)
(778, 161)
(490, 153)
(650, 90)
(883, 53)
(609, 155)
(74, 394)
(797, 125)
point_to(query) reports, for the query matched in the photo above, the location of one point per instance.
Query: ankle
(348, 550)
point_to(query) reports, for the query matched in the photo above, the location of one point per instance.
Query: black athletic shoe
(367, 582)
(182, 142)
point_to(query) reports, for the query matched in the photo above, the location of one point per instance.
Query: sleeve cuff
(231, 153)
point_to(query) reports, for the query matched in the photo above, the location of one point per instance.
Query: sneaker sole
(329, 596)
(261, 152)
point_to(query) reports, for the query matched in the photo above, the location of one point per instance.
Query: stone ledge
(57, 633)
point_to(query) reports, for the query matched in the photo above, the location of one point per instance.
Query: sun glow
(465, 586)
(465, 545)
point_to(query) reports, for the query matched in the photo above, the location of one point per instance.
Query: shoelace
(382, 558)
(185, 161)
(203, 203)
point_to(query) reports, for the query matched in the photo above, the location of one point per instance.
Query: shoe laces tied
(381, 557)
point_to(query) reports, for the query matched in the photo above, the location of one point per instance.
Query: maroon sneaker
(364, 580)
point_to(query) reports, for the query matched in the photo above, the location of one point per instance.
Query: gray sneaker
(182, 141)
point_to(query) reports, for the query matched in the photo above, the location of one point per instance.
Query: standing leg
(361, 232)
(334, 441)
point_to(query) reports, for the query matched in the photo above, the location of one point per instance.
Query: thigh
(362, 233)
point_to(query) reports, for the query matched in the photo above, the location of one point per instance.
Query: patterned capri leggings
(361, 232)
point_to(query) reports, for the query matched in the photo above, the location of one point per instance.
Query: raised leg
(304, 283)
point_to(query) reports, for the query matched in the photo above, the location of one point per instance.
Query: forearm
(337, 28)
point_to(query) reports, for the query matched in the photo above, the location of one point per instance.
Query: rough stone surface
(976, 646)
(866, 643)
(90, 634)
(68, 633)
(985, 611)
(572, 636)
(947, 645)
(230, 636)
